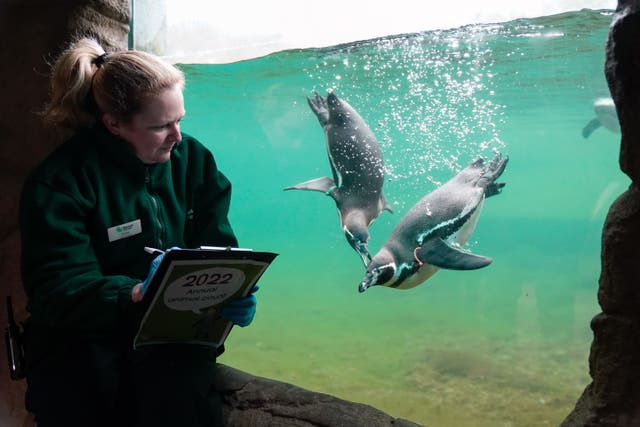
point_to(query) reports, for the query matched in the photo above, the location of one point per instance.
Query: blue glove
(240, 311)
(154, 266)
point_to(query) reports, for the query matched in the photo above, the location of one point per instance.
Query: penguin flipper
(441, 254)
(590, 127)
(323, 185)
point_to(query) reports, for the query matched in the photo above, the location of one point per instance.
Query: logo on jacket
(125, 230)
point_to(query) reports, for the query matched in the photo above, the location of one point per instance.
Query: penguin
(357, 168)
(431, 234)
(606, 116)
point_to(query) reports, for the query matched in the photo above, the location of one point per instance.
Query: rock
(251, 401)
(613, 397)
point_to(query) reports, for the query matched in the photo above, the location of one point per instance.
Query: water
(506, 345)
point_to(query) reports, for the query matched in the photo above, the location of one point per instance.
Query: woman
(127, 178)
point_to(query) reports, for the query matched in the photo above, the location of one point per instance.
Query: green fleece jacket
(89, 209)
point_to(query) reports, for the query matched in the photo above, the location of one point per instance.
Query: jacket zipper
(156, 210)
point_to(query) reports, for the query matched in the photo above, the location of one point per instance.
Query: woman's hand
(138, 290)
(136, 293)
(241, 311)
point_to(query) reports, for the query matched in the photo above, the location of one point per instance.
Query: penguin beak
(378, 275)
(368, 281)
(357, 238)
(371, 278)
(363, 251)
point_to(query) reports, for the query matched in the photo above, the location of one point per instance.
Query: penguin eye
(385, 273)
(388, 273)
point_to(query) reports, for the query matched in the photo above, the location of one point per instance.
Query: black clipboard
(187, 291)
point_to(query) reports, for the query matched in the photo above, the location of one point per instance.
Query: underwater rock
(621, 70)
(254, 401)
(613, 397)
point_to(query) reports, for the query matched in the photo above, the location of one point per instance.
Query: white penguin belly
(420, 276)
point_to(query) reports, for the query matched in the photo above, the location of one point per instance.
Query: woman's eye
(168, 125)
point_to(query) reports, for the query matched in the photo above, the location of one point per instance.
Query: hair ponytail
(71, 79)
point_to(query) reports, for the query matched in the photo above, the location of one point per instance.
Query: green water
(506, 345)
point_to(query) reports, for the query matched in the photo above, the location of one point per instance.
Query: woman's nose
(175, 132)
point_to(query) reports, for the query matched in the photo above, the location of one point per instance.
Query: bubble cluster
(428, 97)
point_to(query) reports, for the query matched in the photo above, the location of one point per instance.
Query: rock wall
(613, 397)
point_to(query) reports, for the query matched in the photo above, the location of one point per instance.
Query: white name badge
(124, 230)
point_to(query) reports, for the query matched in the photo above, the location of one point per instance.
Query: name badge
(124, 230)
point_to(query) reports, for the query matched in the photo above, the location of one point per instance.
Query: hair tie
(99, 61)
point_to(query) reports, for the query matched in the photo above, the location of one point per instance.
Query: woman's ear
(111, 123)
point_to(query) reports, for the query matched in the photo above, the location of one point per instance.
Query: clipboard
(188, 290)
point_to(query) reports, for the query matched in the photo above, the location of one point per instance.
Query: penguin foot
(415, 256)
(319, 106)
(493, 170)
(493, 189)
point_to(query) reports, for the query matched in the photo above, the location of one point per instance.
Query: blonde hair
(86, 82)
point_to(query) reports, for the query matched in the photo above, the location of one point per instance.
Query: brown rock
(613, 397)
(251, 401)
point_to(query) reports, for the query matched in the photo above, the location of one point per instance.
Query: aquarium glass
(505, 345)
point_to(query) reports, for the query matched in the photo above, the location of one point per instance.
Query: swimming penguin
(357, 168)
(431, 235)
(606, 116)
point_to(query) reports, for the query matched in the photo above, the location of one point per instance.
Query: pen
(153, 251)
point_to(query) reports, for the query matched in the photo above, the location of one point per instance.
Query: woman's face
(154, 130)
